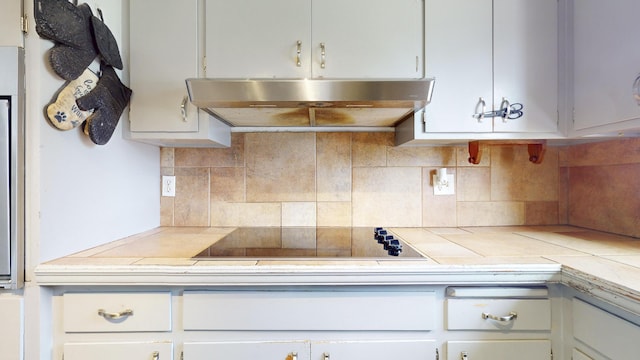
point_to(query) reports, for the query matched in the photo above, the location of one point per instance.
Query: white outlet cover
(444, 189)
(168, 186)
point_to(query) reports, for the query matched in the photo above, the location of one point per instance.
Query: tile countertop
(601, 264)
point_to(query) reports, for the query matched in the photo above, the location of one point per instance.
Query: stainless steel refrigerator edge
(12, 169)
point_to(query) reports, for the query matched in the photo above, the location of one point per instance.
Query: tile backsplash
(361, 179)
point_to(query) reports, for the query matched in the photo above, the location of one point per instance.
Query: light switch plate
(169, 186)
(448, 188)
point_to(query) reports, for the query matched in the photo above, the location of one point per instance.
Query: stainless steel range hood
(310, 103)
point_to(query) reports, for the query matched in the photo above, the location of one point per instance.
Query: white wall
(80, 194)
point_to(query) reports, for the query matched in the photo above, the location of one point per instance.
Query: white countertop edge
(607, 291)
(157, 275)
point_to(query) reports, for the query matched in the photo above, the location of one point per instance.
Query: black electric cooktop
(310, 242)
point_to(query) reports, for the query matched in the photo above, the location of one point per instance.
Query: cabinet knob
(292, 356)
(155, 355)
(325, 356)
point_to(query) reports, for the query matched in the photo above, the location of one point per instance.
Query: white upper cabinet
(606, 65)
(525, 62)
(162, 55)
(10, 23)
(486, 53)
(314, 39)
(458, 52)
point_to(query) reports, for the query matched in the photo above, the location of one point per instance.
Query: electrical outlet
(444, 188)
(169, 186)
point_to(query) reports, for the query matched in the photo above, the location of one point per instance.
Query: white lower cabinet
(116, 325)
(603, 335)
(486, 323)
(314, 350)
(327, 323)
(499, 349)
(119, 351)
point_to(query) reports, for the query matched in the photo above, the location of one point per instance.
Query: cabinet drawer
(610, 335)
(475, 314)
(309, 310)
(117, 312)
(119, 350)
(499, 349)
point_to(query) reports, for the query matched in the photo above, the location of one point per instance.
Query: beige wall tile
(334, 213)
(473, 184)
(541, 213)
(563, 195)
(605, 198)
(191, 203)
(387, 196)
(514, 177)
(166, 211)
(213, 157)
(437, 210)
(333, 166)
(439, 156)
(246, 214)
(463, 156)
(281, 167)
(299, 214)
(228, 184)
(167, 157)
(370, 149)
(490, 213)
(619, 151)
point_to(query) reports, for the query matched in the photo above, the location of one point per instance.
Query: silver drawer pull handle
(298, 53)
(115, 316)
(156, 355)
(512, 316)
(292, 356)
(325, 356)
(323, 56)
(183, 108)
(480, 110)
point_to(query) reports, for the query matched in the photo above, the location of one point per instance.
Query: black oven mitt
(108, 99)
(106, 42)
(69, 26)
(78, 35)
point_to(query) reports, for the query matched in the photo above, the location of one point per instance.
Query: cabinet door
(119, 350)
(258, 39)
(526, 63)
(606, 63)
(458, 53)
(163, 53)
(12, 328)
(374, 350)
(10, 29)
(367, 38)
(247, 350)
(499, 350)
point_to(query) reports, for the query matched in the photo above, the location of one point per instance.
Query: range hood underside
(310, 103)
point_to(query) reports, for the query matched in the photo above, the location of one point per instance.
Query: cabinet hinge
(24, 23)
